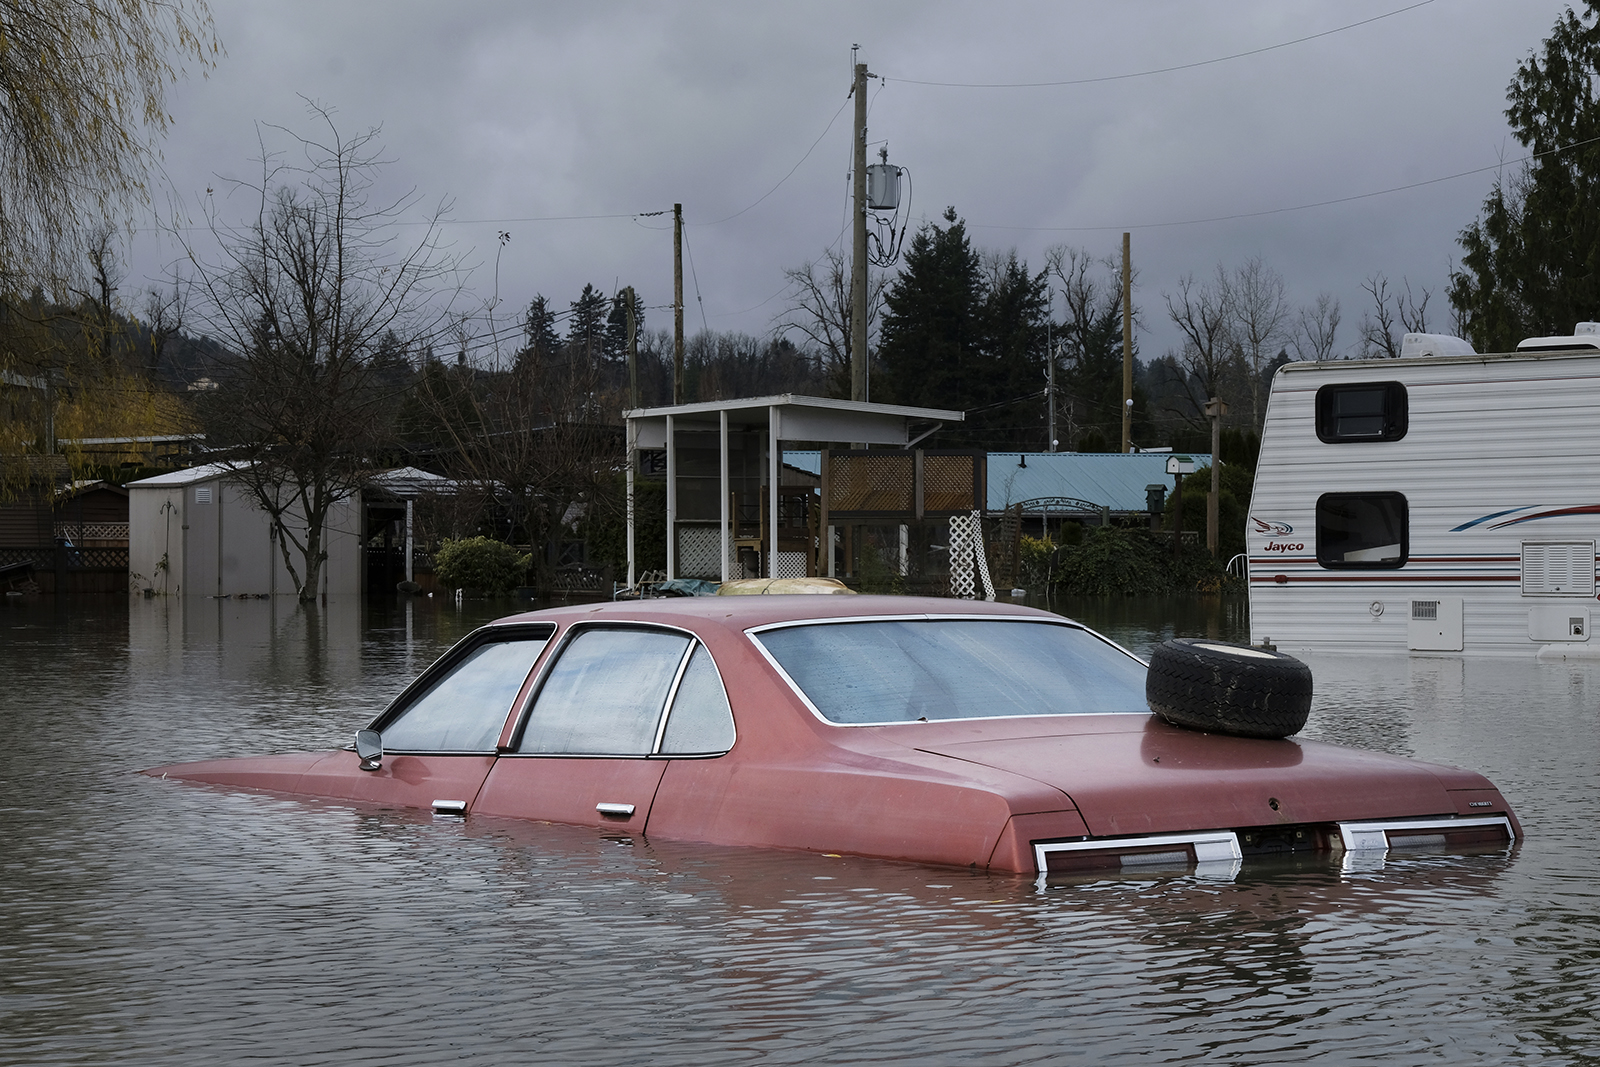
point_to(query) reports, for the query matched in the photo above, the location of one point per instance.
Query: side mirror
(369, 747)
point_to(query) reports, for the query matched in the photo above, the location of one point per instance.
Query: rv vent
(1558, 568)
(202, 494)
(1424, 609)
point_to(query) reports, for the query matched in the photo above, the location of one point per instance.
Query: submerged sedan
(950, 732)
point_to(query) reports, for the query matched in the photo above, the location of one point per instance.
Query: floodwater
(156, 922)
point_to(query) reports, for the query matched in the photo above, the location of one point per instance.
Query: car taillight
(1214, 847)
(1465, 832)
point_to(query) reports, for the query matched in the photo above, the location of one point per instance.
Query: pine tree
(538, 324)
(933, 329)
(585, 333)
(1532, 260)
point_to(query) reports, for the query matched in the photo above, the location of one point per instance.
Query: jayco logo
(1280, 546)
(1280, 528)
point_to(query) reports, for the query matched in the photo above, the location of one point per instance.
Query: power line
(1171, 69)
(1298, 207)
(703, 324)
(792, 169)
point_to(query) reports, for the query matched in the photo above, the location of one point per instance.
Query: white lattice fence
(699, 549)
(967, 555)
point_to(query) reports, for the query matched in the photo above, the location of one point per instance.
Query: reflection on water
(152, 922)
(1138, 623)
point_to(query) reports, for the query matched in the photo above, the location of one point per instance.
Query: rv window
(1362, 530)
(1366, 411)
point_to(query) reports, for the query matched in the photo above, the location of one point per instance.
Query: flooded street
(155, 922)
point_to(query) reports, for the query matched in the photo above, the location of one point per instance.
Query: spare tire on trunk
(1226, 688)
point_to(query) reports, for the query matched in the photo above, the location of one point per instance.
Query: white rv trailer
(1443, 502)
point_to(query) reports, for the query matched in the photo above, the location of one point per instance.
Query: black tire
(1230, 689)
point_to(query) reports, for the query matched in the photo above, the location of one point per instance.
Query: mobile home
(1443, 502)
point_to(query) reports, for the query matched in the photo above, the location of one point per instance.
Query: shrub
(480, 563)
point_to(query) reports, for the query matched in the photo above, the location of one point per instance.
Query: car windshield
(910, 670)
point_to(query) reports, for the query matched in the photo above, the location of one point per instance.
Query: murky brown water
(155, 922)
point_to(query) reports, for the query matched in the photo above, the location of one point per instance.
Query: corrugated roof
(1112, 480)
(184, 477)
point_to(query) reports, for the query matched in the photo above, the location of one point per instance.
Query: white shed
(197, 532)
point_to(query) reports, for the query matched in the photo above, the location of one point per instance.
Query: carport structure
(724, 458)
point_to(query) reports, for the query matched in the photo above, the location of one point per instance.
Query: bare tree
(537, 439)
(1260, 316)
(1090, 339)
(1318, 327)
(306, 292)
(1203, 312)
(164, 312)
(820, 311)
(1379, 338)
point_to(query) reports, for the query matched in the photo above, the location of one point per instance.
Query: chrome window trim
(661, 732)
(754, 632)
(672, 696)
(564, 637)
(448, 660)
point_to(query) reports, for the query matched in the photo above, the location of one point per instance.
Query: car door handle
(624, 810)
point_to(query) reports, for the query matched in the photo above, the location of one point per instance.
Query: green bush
(1115, 559)
(480, 563)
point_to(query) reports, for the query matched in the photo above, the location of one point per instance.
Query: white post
(633, 461)
(672, 502)
(774, 461)
(410, 504)
(727, 534)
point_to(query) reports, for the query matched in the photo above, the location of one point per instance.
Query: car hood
(1166, 779)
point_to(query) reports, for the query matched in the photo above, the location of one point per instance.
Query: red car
(942, 731)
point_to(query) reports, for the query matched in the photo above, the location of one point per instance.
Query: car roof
(744, 612)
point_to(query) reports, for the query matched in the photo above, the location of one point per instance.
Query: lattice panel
(949, 483)
(790, 565)
(966, 554)
(93, 531)
(699, 550)
(876, 482)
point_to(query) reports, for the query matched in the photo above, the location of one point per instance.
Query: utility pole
(1215, 409)
(677, 303)
(858, 263)
(1127, 347)
(633, 349)
(1050, 352)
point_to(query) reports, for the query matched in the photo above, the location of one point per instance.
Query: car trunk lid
(1166, 779)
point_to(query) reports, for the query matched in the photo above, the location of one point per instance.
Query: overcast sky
(524, 114)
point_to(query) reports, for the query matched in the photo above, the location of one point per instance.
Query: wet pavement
(155, 922)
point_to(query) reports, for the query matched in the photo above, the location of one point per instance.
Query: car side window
(466, 708)
(700, 722)
(605, 694)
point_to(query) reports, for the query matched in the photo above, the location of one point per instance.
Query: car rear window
(910, 670)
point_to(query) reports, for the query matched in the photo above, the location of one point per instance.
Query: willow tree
(314, 293)
(83, 87)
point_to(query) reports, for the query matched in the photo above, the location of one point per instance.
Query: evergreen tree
(538, 324)
(1012, 364)
(614, 346)
(586, 331)
(933, 329)
(1532, 260)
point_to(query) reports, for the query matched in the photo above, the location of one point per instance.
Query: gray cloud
(517, 110)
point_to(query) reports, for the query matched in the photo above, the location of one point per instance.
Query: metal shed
(197, 532)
